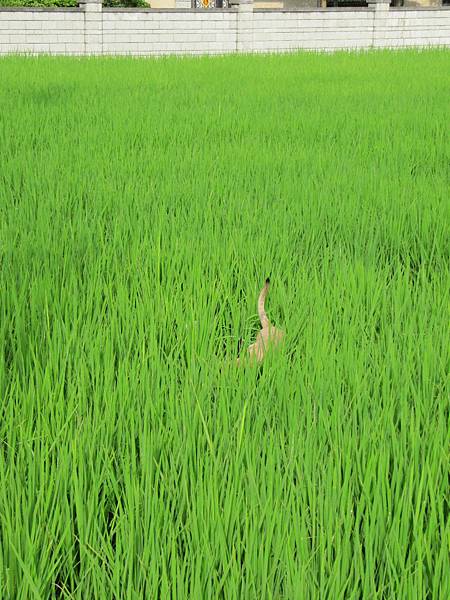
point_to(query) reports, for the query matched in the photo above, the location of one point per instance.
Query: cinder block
(18, 38)
(145, 47)
(57, 48)
(222, 36)
(36, 38)
(33, 25)
(49, 26)
(42, 47)
(140, 25)
(138, 37)
(74, 16)
(172, 15)
(182, 25)
(339, 24)
(71, 26)
(120, 26)
(108, 25)
(129, 47)
(230, 23)
(71, 38)
(74, 48)
(50, 38)
(154, 24)
(165, 26)
(163, 38)
(93, 38)
(110, 20)
(93, 18)
(16, 16)
(124, 16)
(11, 25)
(247, 17)
(191, 37)
(94, 48)
(49, 15)
(121, 37)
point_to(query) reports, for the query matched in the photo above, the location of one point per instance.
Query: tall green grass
(142, 205)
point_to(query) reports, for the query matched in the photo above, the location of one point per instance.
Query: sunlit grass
(142, 205)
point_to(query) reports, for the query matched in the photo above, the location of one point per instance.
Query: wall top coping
(349, 9)
(51, 9)
(318, 9)
(168, 10)
(55, 9)
(411, 8)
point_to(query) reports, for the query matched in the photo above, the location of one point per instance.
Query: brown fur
(268, 337)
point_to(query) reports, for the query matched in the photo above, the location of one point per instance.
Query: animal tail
(262, 298)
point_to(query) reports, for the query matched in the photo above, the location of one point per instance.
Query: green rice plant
(142, 205)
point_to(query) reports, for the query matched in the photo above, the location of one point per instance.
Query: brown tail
(261, 312)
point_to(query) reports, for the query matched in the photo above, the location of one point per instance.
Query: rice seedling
(142, 205)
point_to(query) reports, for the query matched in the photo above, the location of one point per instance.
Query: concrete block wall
(91, 29)
(56, 31)
(164, 31)
(401, 27)
(329, 29)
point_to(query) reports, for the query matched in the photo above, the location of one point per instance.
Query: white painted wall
(93, 30)
(169, 32)
(413, 27)
(59, 31)
(313, 30)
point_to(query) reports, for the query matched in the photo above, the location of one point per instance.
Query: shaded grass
(142, 205)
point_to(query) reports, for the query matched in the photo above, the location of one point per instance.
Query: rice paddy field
(142, 205)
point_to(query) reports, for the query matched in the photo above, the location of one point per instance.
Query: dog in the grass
(268, 337)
